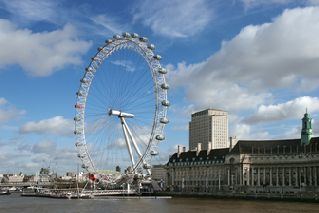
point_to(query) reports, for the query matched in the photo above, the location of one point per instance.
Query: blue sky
(256, 59)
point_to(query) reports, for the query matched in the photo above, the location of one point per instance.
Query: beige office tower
(207, 126)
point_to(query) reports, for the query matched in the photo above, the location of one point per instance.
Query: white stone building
(288, 166)
(13, 178)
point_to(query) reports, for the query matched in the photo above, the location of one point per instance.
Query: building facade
(197, 171)
(252, 166)
(209, 126)
(159, 174)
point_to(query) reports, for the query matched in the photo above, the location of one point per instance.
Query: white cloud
(33, 10)
(141, 136)
(260, 59)
(45, 147)
(3, 101)
(249, 4)
(241, 131)
(175, 18)
(18, 154)
(292, 109)
(205, 89)
(9, 112)
(107, 25)
(126, 64)
(313, 2)
(293, 132)
(42, 53)
(57, 125)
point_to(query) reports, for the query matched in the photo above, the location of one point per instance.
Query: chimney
(179, 150)
(199, 148)
(232, 142)
(184, 149)
(209, 147)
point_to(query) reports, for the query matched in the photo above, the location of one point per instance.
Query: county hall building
(258, 166)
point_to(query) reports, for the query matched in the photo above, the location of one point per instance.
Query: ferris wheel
(121, 107)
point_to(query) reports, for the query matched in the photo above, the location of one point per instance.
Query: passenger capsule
(165, 103)
(76, 118)
(134, 35)
(143, 39)
(99, 49)
(89, 69)
(160, 137)
(84, 80)
(153, 152)
(94, 58)
(108, 41)
(157, 57)
(164, 86)
(81, 156)
(77, 144)
(84, 166)
(117, 37)
(162, 70)
(151, 46)
(126, 35)
(78, 106)
(77, 132)
(79, 93)
(164, 120)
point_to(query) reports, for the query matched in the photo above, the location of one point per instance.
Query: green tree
(44, 171)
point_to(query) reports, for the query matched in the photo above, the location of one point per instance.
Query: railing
(25, 184)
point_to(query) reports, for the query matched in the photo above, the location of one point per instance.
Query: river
(16, 204)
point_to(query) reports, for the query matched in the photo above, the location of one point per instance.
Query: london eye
(121, 110)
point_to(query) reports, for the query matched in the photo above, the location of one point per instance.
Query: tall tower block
(209, 126)
(306, 131)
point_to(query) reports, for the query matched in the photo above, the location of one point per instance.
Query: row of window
(195, 163)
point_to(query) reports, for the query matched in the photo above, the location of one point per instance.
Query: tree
(44, 171)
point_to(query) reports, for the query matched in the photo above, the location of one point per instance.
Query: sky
(256, 59)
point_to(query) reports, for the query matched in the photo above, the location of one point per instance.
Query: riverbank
(301, 197)
(16, 203)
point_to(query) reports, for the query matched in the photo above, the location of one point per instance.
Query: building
(197, 171)
(209, 126)
(159, 174)
(13, 178)
(289, 166)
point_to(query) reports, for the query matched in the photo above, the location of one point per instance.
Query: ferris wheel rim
(145, 49)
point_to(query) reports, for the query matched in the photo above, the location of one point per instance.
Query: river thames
(15, 203)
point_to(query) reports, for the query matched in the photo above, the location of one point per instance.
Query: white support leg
(128, 144)
(132, 139)
(135, 145)
(129, 138)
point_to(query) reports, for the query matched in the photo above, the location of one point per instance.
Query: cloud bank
(174, 19)
(40, 53)
(57, 125)
(261, 59)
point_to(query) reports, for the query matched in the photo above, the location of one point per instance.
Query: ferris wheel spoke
(138, 85)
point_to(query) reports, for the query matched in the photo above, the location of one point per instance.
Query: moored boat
(5, 192)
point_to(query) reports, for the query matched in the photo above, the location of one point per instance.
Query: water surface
(15, 203)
